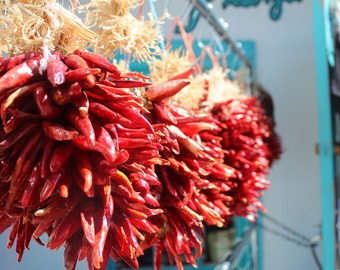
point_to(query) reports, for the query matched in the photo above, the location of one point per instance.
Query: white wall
(285, 66)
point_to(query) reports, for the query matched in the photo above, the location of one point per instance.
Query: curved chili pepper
(129, 83)
(102, 112)
(20, 75)
(45, 104)
(9, 63)
(64, 229)
(33, 182)
(82, 104)
(98, 61)
(133, 115)
(80, 74)
(102, 229)
(13, 233)
(66, 94)
(60, 155)
(50, 183)
(158, 92)
(5, 222)
(183, 75)
(58, 132)
(73, 246)
(104, 137)
(84, 143)
(82, 124)
(84, 166)
(101, 93)
(65, 185)
(162, 114)
(26, 90)
(14, 137)
(87, 218)
(55, 70)
(26, 161)
(74, 61)
(144, 225)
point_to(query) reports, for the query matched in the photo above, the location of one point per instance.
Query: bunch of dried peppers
(108, 171)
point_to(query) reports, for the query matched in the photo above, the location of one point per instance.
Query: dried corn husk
(119, 30)
(221, 88)
(28, 25)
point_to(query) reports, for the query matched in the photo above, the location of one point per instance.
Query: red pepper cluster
(106, 173)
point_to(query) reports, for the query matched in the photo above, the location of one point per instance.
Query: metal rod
(218, 27)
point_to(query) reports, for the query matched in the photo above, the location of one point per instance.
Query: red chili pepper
(162, 114)
(158, 92)
(17, 118)
(133, 115)
(84, 166)
(40, 229)
(63, 229)
(122, 179)
(184, 75)
(132, 74)
(104, 137)
(45, 105)
(58, 132)
(142, 155)
(61, 154)
(159, 247)
(127, 143)
(103, 112)
(134, 133)
(66, 94)
(151, 200)
(128, 229)
(9, 63)
(55, 70)
(150, 177)
(87, 218)
(20, 243)
(20, 75)
(101, 93)
(82, 104)
(73, 246)
(104, 191)
(144, 225)
(13, 233)
(49, 185)
(129, 83)
(65, 185)
(34, 181)
(48, 148)
(84, 143)
(25, 160)
(80, 74)
(120, 240)
(19, 93)
(102, 229)
(122, 192)
(99, 61)
(82, 124)
(75, 61)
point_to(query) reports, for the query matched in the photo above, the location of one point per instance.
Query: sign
(275, 9)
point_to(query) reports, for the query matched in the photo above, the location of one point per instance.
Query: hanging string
(187, 40)
(155, 17)
(220, 30)
(140, 9)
